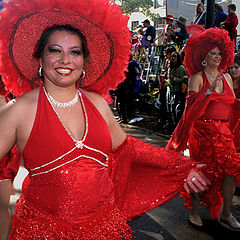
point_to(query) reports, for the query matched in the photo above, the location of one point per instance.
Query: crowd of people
(86, 176)
(174, 35)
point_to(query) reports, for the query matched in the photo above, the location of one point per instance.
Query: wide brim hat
(170, 17)
(201, 43)
(182, 20)
(101, 22)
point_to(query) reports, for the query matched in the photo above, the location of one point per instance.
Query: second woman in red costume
(86, 176)
(206, 123)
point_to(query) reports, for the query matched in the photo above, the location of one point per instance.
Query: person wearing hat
(206, 124)
(150, 32)
(86, 176)
(180, 33)
(167, 30)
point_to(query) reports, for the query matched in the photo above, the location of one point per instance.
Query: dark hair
(177, 63)
(218, 7)
(146, 21)
(170, 49)
(43, 40)
(232, 6)
(237, 59)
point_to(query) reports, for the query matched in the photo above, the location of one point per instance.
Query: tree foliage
(130, 6)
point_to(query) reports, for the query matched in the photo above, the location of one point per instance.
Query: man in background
(230, 24)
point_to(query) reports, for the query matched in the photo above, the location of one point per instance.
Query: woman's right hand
(216, 82)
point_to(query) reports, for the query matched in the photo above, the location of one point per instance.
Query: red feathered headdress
(101, 22)
(3, 90)
(202, 42)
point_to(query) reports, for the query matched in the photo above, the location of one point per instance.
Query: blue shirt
(220, 17)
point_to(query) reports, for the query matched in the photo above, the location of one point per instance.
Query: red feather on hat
(204, 40)
(106, 15)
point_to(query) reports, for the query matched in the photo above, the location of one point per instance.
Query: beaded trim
(63, 104)
(78, 144)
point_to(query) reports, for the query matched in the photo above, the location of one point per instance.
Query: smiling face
(235, 71)
(214, 58)
(174, 57)
(62, 59)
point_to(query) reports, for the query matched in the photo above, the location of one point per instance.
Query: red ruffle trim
(31, 223)
(216, 150)
(103, 13)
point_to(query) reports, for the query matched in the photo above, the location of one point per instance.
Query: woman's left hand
(196, 181)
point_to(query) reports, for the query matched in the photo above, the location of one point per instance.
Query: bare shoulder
(25, 101)
(196, 82)
(18, 108)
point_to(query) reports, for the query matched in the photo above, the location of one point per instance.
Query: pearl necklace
(64, 104)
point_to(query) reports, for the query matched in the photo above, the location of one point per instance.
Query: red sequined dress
(84, 189)
(210, 139)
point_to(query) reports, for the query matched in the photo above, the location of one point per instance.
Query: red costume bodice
(70, 180)
(219, 107)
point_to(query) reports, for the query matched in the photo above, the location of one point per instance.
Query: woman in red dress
(205, 124)
(86, 176)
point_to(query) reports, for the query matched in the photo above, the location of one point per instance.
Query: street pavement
(169, 221)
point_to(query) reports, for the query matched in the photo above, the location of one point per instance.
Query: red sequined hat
(202, 42)
(101, 22)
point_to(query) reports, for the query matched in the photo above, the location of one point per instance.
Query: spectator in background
(200, 17)
(230, 24)
(127, 90)
(150, 32)
(149, 35)
(137, 44)
(164, 118)
(220, 15)
(180, 33)
(235, 74)
(177, 74)
(166, 33)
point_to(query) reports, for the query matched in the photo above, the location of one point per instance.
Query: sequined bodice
(67, 179)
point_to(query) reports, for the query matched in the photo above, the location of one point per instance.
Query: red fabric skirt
(31, 223)
(211, 142)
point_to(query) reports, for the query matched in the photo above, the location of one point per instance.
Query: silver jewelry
(208, 92)
(204, 63)
(40, 71)
(83, 74)
(64, 104)
(208, 75)
(193, 179)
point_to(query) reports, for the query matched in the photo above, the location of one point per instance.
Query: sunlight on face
(62, 59)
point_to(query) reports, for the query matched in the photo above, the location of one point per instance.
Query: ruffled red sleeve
(9, 164)
(196, 104)
(145, 176)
